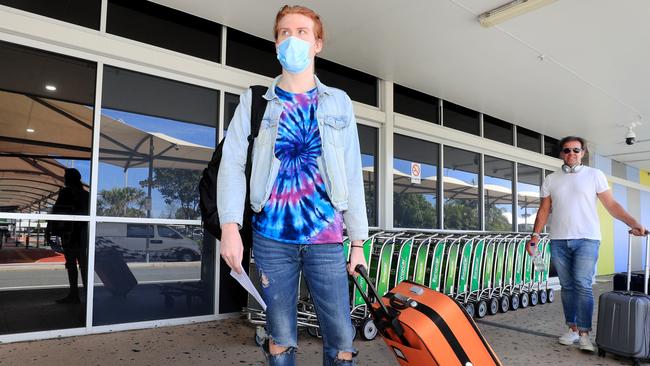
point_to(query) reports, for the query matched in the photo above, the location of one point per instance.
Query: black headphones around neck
(571, 169)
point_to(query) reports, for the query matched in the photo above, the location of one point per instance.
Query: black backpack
(208, 182)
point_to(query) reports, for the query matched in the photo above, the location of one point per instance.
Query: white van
(162, 242)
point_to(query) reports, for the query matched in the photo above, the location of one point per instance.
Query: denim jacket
(339, 163)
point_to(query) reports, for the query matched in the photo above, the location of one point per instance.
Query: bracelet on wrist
(357, 246)
(534, 235)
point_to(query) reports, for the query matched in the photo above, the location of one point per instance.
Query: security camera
(630, 136)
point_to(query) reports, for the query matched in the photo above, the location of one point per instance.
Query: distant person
(73, 199)
(570, 196)
(306, 181)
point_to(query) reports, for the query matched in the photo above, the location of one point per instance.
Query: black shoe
(70, 299)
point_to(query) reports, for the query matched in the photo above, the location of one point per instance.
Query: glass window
(529, 183)
(231, 101)
(81, 12)
(529, 140)
(550, 147)
(415, 104)
(497, 185)
(360, 86)
(368, 138)
(37, 291)
(153, 147)
(497, 130)
(131, 282)
(415, 200)
(139, 231)
(460, 189)
(460, 118)
(247, 52)
(46, 119)
(158, 25)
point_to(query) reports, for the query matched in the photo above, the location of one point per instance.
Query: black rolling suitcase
(636, 282)
(116, 276)
(624, 318)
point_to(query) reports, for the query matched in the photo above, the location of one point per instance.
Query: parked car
(134, 241)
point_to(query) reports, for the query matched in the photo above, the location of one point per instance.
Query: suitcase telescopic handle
(647, 259)
(383, 318)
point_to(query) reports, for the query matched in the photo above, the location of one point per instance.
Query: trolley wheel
(504, 304)
(551, 295)
(469, 307)
(601, 353)
(524, 300)
(493, 306)
(514, 302)
(368, 329)
(534, 298)
(260, 336)
(481, 309)
(543, 296)
(314, 332)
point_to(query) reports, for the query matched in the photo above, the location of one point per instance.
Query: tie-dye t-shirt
(299, 210)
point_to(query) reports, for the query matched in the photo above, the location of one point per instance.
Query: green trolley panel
(436, 265)
(421, 260)
(477, 264)
(451, 268)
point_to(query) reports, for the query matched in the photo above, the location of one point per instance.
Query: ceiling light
(510, 10)
(30, 130)
(50, 87)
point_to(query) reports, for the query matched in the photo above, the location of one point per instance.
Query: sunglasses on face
(576, 150)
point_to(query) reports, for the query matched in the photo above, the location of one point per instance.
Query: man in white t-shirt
(570, 195)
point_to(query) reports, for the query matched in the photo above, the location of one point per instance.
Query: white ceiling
(595, 74)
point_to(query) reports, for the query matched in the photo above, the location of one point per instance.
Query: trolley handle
(647, 258)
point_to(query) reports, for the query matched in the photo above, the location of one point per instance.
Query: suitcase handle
(382, 316)
(647, 258)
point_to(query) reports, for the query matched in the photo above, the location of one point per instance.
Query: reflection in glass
(551, 149)
(460, 118)
(153, 147)
(415, 104)
(368, 143)
(529, 140)
(529, 183)
(497, 185)
(152, 271)
(415, 202)
(43, 131)
(460, 189)
(35, 285)
(496, 129)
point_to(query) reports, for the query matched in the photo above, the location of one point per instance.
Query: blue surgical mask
(293, 54)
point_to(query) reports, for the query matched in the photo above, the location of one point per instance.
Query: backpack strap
(258, 106)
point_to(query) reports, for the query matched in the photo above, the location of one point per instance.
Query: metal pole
(148, 201)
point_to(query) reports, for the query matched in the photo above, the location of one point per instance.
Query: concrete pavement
(522, 337)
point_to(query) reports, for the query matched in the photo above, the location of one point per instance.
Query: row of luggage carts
(487, 273)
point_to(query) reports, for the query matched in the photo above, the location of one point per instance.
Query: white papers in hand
(246, 283)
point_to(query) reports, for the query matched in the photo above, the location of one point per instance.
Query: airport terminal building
(135, 95)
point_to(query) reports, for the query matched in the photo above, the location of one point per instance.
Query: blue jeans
(575, 262)
(324, 269)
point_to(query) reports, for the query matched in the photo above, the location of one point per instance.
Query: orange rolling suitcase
(427, 328)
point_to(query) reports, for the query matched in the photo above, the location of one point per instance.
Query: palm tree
(123, 202)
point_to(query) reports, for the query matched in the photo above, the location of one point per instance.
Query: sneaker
(569, 338)
(585, 343)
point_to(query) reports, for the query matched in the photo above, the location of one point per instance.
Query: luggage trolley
(437, 261)
(540, 279)
(508, 301)
(451, 266)
(470, 256)
(481, 281)
(519, 286)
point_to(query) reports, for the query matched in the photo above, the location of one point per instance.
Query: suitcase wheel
(368, 329)
(534, 298)
(514, 302)
(493, 307)
(524, 300)
(601, 353)
(551, 295)
(481, 309)
(504, 304)
(543, 296)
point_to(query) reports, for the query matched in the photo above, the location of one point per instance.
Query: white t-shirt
(573, 207)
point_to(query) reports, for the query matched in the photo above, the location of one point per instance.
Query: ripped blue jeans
(324, 270)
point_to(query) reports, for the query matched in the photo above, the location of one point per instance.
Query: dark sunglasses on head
(576, 150)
